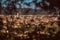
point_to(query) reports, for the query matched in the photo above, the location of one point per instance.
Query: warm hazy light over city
(29, 19)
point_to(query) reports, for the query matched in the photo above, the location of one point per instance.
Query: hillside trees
(44, 5)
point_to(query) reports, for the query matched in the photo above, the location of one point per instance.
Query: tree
(10, 7)
(0, 6)
(47, 5)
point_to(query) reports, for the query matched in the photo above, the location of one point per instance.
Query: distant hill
(29, 11)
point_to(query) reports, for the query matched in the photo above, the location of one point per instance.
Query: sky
(22, 4)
